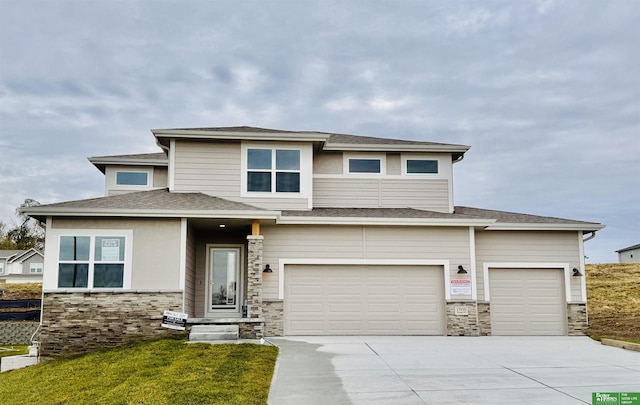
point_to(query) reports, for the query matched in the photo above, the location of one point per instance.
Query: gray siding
(215, 169)
(528, 247)
(156, 248)
(428, 194)
(160, 177)
(212, 168)
(33, 259)
(190, 274)
(360, 242)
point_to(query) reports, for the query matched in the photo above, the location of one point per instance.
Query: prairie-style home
(300, 233)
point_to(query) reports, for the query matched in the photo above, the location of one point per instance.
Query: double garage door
(527, 302)
(363, 300)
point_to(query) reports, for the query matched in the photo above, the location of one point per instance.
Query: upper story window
(421, 166)
(273, 170)
(365, 164)
(132, 178)
(88, 261)
(35, 268)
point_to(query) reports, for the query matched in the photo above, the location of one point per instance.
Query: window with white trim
(421, 166)
(35, 268)
(1, 268)
(132, 178)
(273, 170)
(91, 261)
(365, 164)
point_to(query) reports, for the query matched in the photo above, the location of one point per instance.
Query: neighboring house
(21, 266)
(300, 233)
(629, 254)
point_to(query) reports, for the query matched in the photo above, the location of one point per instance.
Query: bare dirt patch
(613, 300)
(23, 291)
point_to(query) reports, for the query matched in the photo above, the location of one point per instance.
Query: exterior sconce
(267, 269)
(576, 273)
(461, 270)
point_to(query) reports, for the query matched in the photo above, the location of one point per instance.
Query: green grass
(13, 350)
(159, 372)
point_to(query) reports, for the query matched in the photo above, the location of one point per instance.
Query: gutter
(588, 238)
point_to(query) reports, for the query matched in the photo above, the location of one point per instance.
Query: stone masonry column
(254, 282)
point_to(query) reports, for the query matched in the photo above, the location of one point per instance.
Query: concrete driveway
(422, 370)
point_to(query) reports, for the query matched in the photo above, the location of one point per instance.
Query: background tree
(28, 233)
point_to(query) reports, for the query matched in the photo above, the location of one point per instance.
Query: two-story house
(300, 233)
(21, 266)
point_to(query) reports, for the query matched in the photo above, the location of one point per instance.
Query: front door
(223, 294)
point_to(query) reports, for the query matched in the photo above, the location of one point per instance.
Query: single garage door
(363, 300)
(527, 302)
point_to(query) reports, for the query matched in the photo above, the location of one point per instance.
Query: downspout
(588, 238)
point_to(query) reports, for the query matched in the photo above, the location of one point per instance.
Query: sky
(546, 93)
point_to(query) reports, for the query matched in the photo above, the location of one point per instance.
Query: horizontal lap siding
(214, 169)
(357, 242)
(211, 168)
(382, 193)
(528, 247)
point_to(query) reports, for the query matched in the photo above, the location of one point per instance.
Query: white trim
(306, 171)
(183, 256)
(304, 220)
(172, 165)
(472, 259)
(505, 265)
(118, 186)
(503, 226)
(52, 253)
(583, 281)
(240, 282)
(365, 262)
(382, 157)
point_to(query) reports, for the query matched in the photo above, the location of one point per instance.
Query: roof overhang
(320, 220)
(584, 227)
(164, 135)
(455, 149)
(43, 213)
(102, 162)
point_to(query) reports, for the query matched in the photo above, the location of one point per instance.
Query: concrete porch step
(209, 333)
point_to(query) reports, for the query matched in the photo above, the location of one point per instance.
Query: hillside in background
(613, 300)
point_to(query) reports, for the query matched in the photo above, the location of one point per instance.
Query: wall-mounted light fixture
(576, 273)
(267, 269)
(461, 270)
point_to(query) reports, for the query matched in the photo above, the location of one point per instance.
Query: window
(132, 178)
(35, 268)
(91, 262)
(273, 170)
(422, 166)
(364, 165)
(1, 267)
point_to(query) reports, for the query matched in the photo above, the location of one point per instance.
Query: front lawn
(159, 372)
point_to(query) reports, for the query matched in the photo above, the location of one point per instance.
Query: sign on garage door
(527, 302)
(364, 300)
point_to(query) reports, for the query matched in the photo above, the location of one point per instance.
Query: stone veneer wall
(273, 314)
(577, 321)
(484, 318)
(254, 276)
(78, 322)
(462, 325)
(17, 332)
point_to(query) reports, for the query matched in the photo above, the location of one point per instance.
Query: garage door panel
(527, 301)
(364, 300)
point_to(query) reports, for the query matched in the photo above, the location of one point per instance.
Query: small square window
(73, 275)
(74, 248)
(259, 181)
(259, 159)
(364, 165)
(421, 166)
(35, 268)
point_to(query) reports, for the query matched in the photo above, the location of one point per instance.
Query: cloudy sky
(547, 93)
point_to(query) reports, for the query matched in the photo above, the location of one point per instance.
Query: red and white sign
(460, 287)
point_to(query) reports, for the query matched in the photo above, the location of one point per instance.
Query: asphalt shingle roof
(137, 156)
(160, 199)
(514, 217)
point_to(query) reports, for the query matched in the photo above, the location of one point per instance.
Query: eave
(165, 134)
(304, 220)
(584, 227)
